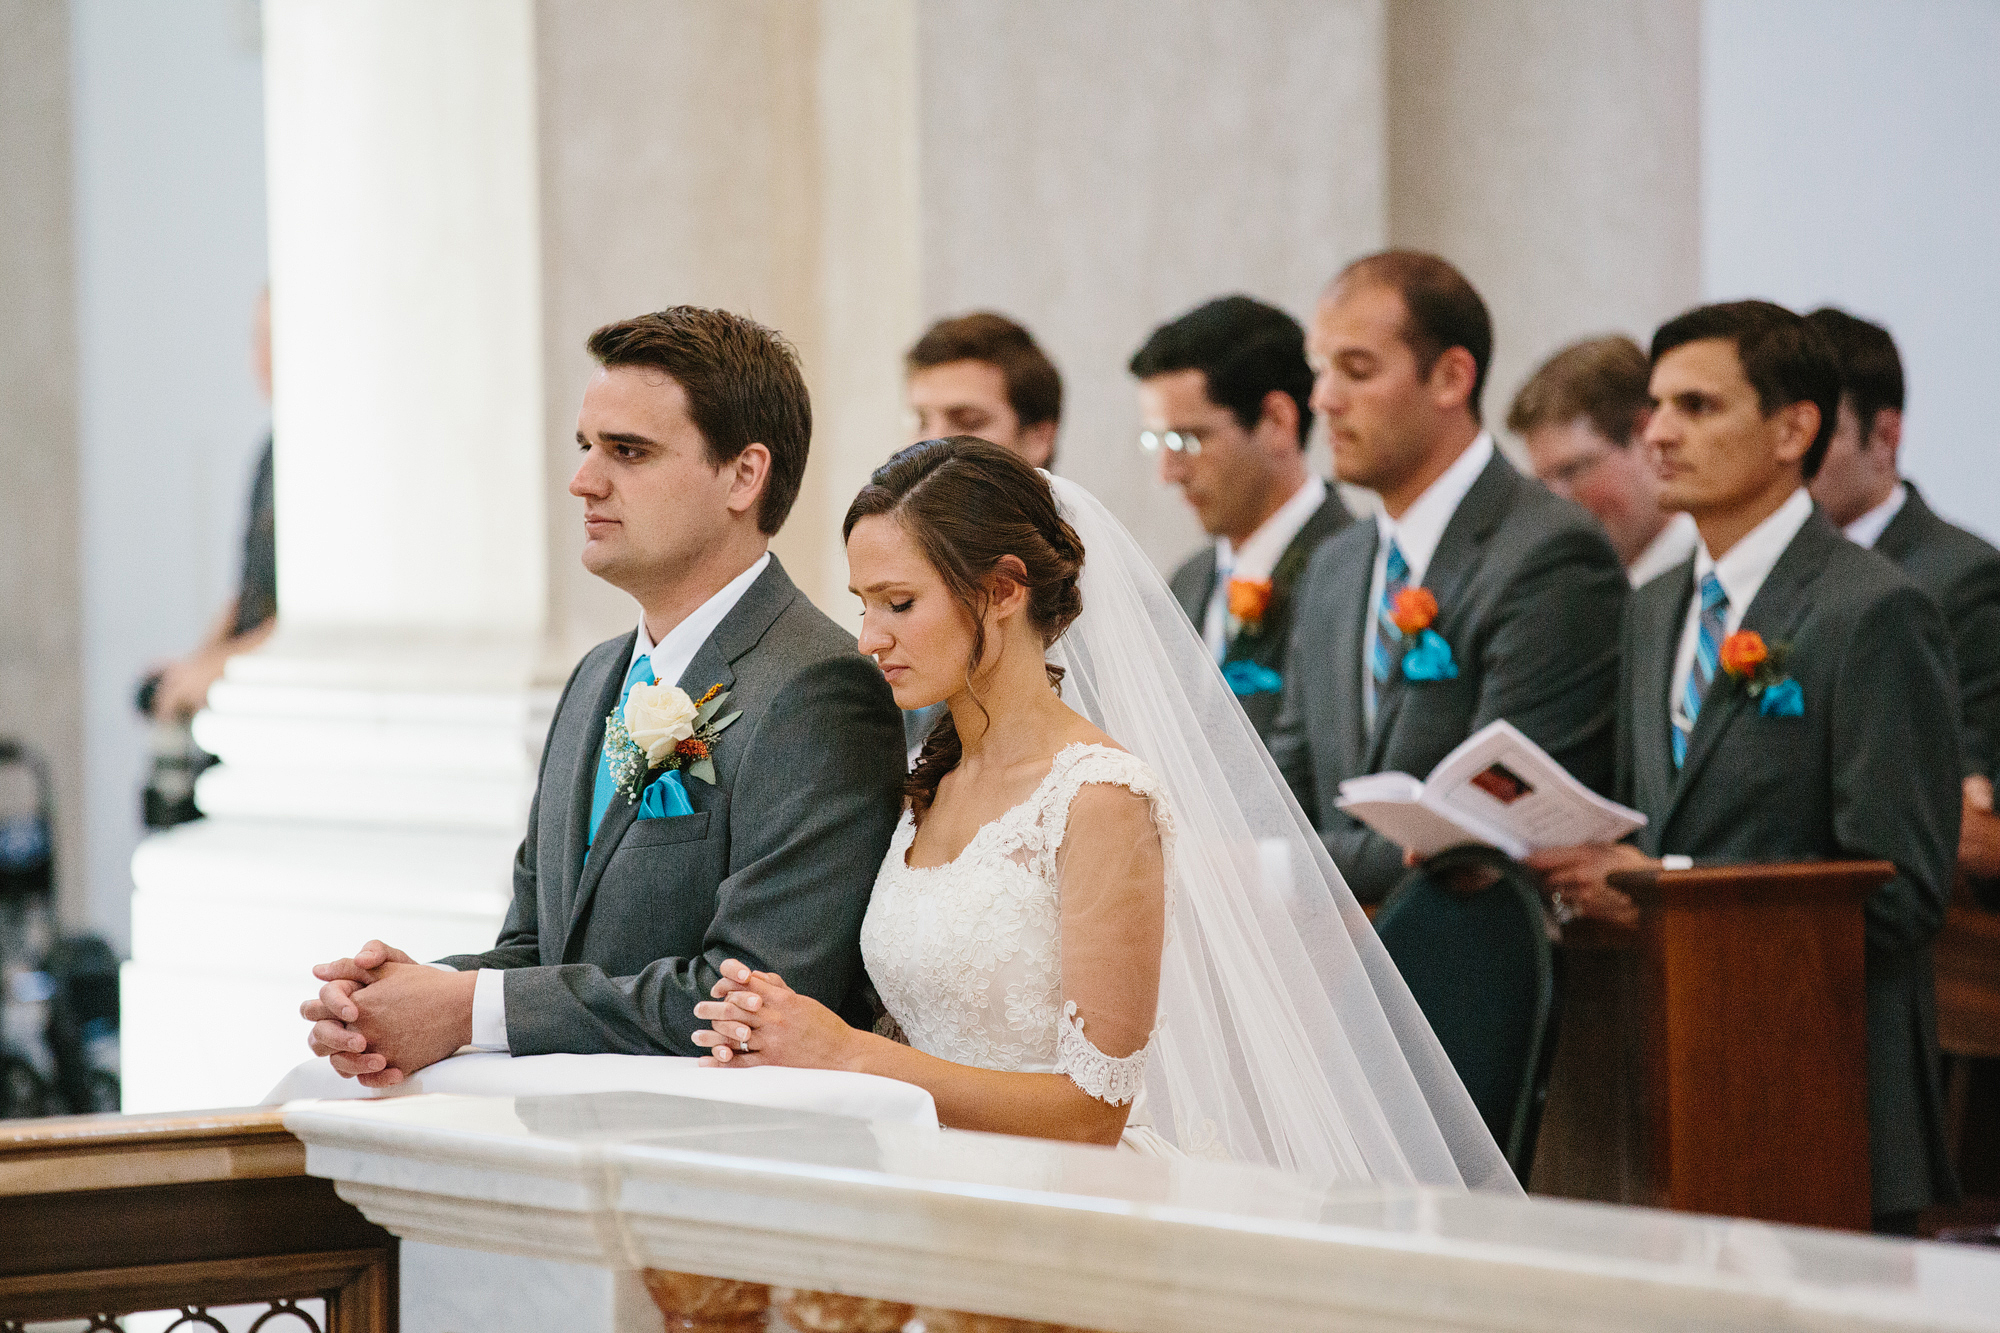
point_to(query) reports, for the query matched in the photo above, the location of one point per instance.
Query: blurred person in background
(1224, 398)
(982, 374)
(171, 694)
(1861, 488)
(1581, 416)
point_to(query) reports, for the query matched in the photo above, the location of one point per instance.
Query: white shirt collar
(1262, 549)
(1420, 529)
(1743, 569)
(1867, 530)
(672, 654)
(1670, 546)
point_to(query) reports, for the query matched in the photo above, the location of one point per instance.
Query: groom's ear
(750, 475)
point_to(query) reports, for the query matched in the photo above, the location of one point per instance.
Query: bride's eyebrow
(883, 586)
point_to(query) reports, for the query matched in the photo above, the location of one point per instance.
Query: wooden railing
(111, 1215)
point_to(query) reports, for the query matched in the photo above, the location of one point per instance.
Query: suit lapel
(1451, 565)
(1906, 528)
(1197, 608)
(738, 633)
(583, 783)
(1349, 608)
(1775, 614)
(1655, 642)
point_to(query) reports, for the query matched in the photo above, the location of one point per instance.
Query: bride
(1102, 917)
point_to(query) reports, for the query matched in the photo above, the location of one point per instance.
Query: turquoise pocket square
(1430, 659)
(1782, 699)
(665, 797)
(1247, 678)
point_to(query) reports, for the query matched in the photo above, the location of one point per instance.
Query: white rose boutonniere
(660, 727)
(657, 718)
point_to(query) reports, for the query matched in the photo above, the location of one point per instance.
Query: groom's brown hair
(742, 383)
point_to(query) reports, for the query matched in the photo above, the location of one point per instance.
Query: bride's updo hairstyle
(969, 505)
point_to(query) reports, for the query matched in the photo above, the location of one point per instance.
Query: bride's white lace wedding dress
(967, 956)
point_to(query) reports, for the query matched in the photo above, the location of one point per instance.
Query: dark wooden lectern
(1755, 1062)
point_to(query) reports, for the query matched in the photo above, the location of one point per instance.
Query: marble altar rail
(588, 1211)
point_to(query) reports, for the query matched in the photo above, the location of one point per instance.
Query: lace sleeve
(1109, 1078)
(1111, 878)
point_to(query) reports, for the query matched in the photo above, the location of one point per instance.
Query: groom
(693, 435)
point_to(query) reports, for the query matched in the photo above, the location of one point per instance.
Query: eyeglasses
(1575, 470)
(1175, 441)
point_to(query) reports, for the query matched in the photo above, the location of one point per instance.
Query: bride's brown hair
(969, 505)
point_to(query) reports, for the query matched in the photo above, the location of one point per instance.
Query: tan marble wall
(1097, 169)
(1550, 149)
(41, 680)
(675, 168)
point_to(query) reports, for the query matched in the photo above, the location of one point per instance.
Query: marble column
(1095, 170)
(1550, 149)
(41, 661)
(378, 753)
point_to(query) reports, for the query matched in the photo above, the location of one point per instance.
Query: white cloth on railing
(864, 1096)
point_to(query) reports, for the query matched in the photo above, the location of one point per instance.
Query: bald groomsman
(1787, 696)
(1523, 586)
(1224, 396)
(1863, 493)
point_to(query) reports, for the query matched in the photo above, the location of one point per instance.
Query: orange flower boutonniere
(1414, 610)
(1743, 652)
(1249, 599)
(1761, 667)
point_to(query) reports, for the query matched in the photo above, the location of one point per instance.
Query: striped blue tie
(1387, 638)
(601, 790)
(1707, 655)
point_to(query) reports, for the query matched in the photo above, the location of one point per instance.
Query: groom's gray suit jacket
(610, 950)
(1869, 770)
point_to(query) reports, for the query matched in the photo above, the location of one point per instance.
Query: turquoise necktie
(1707, 655)
(1384, 635)
(603, 789)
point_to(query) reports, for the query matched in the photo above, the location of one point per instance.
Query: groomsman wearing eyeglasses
(1474, 595)
(1224, 396)
(1788, 696)
(1580, 416)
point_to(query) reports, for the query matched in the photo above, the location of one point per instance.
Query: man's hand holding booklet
(1499, 789)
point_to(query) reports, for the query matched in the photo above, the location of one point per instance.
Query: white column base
(446, 1290)
(230, 915)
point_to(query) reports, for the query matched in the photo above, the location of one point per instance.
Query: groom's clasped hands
(381, 1016)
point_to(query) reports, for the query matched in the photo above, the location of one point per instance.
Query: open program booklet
(1498, 788)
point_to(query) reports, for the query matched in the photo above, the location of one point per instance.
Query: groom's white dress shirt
(671, 656)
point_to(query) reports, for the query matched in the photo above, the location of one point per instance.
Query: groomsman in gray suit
(1862, 491)
(1224, 395)
(693, 435)
(1474, 595)
(1787, 696)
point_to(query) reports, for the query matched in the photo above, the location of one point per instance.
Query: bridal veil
(1286, 1035)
